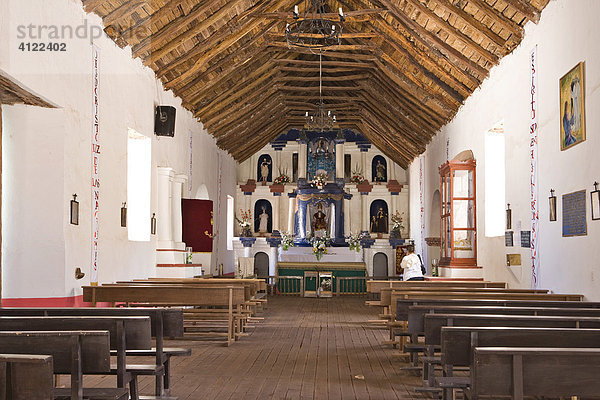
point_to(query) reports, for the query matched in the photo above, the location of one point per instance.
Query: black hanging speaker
(164, 121)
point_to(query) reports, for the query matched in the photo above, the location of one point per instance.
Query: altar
(333, 255)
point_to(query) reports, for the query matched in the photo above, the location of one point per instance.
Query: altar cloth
(334, 254)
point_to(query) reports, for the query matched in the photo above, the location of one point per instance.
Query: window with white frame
(495, 181)
(139, 156)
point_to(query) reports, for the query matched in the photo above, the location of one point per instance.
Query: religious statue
(264, 220)
(264, 170)
(319, 221)
(379, 222)
(380, 170)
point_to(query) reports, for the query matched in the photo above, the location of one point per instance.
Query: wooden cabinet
(458, 213)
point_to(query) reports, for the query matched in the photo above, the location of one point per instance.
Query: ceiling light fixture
(322, 120)
(313, 30)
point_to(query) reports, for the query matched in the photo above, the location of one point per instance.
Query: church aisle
(305, 348)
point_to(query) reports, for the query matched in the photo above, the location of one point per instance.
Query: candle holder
(74, 210)
(552, 205)
(124, 215)
(595, 197)
(508, 218)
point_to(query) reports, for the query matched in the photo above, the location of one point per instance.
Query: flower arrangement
(245, 222)
(357, 176)
(283, 178)
(397, 219)
(320, 180)
(319, 245)
(354, 241)
(287, 240)
(326, 284)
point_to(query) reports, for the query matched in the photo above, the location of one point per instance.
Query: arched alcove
(261, 265)
(379, 169)
(380, 265)
(202, 193)
(379, 217)
(264, 169)
(258, 211)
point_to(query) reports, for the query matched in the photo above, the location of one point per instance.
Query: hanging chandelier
(313, 30)
(322, 120)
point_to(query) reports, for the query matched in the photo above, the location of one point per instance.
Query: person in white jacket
(411, 265)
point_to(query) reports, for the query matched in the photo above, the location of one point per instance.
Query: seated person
(411, 264)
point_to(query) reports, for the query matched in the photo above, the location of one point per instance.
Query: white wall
(566, 34)
(47, 156)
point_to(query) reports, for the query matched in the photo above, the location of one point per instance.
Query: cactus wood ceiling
(403, 68)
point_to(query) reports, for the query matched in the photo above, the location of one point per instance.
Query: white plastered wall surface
(566, 34)
(47, 154)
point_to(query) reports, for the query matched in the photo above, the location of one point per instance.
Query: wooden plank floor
(304, 349)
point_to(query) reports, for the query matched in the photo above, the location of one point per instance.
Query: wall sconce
(595, 195)
(508, 217)
(74, 210)
(124, 215)
(153, 224)
(552, 205)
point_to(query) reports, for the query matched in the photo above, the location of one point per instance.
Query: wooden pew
(230, 297)
(74, 353)
(435, 322)
(458, 343)
(461, 293)
(374, 286)
(532, 371)
(402, 305)
(26, 377)
(164, 322)
(132, 332)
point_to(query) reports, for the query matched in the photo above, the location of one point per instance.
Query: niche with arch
(380, 265)
(263, 221)
(379, 217)
(264, 169)
(261, 265)
(379, 169)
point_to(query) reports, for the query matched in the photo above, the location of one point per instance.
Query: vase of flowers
(244, 223)
(357, 176)
(319, 245)
(354, 241)
(287, 240)
(397, 227)
(282, 180)
(320, 180)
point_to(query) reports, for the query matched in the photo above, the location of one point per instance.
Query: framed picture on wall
(572, 108)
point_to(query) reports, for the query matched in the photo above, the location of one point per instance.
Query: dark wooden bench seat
(132, 332)
(164, 322)
(516, 372)
(74, 353)
(26, 376)
(458, 344)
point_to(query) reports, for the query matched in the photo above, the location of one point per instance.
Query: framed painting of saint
(572, 108)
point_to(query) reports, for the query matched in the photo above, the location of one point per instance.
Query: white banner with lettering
(533, 144)
(95, 161)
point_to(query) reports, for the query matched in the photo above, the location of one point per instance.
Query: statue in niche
(263, 221)
(264, 169)
(379, 222)
(320, 219)
(380, 170)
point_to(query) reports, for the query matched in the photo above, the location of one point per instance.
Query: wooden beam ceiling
(402, 70)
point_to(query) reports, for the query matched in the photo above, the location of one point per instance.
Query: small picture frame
(74, 211)
(552, 205)
(595, 198)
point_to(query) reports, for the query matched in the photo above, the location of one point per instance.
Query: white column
(391, 170)
(177, 221)
(347, 216)
(394, 204)
(365, 170)
(302, 161)
(273, 261)
(163, 216)
(247, 252)
(277, 164)
(365, 213)
(332, 220)
(339, 160)
(292, 210)
(276, 212)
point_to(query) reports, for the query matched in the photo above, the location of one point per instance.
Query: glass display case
(458, 213)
